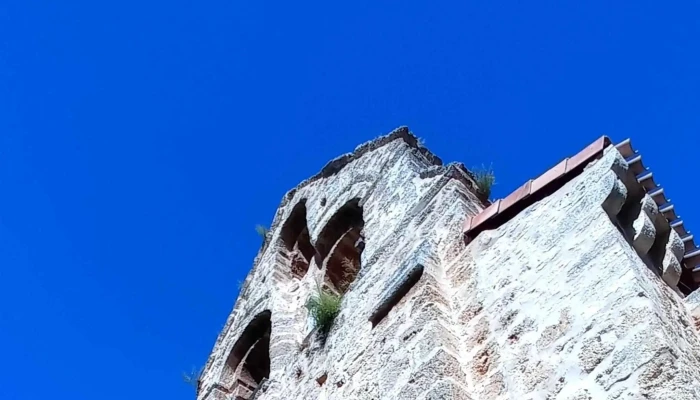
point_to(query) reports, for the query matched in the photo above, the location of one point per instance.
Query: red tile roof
(501, 211)
(533, 190)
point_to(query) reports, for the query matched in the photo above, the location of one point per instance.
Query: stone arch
(340, 245)
(296, 242)
(248, 363)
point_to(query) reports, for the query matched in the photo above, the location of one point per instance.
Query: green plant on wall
(193, 377)
(262, 232)
(485, 179)
(324, 307)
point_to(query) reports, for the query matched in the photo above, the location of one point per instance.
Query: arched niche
(296, 241)
(340, 245)
(248, 364)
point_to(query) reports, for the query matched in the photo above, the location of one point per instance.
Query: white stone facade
(557, 303)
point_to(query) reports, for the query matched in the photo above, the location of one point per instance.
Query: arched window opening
(340, 244)
(296, 240)
(248, 364)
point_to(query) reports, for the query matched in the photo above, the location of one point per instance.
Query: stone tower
(579, 285)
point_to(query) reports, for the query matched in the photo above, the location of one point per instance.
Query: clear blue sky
(141, 142)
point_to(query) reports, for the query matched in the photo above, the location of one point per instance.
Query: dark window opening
(395, 297)
(340, 245)
(296, 240)
(248, 364)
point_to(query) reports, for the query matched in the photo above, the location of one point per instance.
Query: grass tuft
(262, 232)
(485, 179)
(193, 377)
(324, 306)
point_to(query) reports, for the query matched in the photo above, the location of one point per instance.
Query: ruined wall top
(376, 173)
(424, 314)
(455, 170)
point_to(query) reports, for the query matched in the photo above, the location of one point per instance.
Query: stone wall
(557, 303)
(561, 302)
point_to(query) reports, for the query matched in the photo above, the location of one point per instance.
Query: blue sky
(141, 142)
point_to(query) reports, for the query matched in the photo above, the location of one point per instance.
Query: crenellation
(572, 287)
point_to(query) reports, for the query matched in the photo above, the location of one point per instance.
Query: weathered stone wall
(558, 303)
